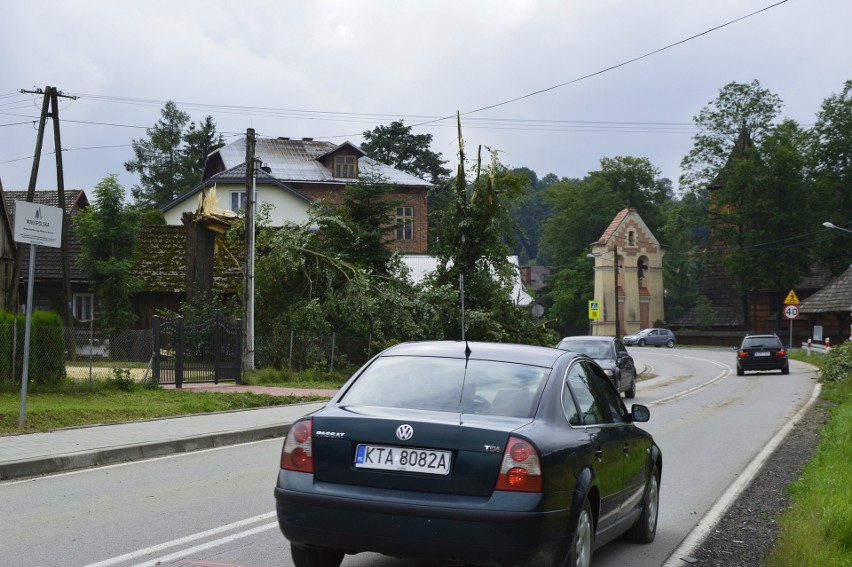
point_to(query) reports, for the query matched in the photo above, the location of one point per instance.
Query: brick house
(296, 173)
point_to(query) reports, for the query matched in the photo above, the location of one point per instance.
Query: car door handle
(626, 448)
(599, 453)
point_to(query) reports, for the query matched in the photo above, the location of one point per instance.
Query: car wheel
(315, 557)
(670, 343)
(645, 528)
(786, 369)
(641, 342)
(740, 371)
(580, 552)
(631, 392)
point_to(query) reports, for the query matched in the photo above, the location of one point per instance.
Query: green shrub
(838, 364)
(47, 347)
(121, 380)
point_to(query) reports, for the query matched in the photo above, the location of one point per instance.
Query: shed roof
(835, 297)
(160, 261)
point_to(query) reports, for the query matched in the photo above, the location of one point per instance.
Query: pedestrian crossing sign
(791, 299)
(594, 310)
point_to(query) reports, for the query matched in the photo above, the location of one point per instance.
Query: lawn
(78, 402)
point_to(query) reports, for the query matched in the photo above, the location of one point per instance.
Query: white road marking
(190, 538)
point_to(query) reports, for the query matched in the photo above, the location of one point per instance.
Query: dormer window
(346, 166)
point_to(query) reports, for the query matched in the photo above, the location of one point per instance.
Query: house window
(238, 201)
(84, 306)
(404, 223)
(345, 166)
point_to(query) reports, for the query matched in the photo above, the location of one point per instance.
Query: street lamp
(827, 224)
(615, 285)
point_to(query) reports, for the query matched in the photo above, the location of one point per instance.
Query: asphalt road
(215, 508)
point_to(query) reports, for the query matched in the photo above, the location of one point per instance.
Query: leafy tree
(169, 162)
(830, 160)
(754, 170)
(683, 234)
(637, 185)
(528, 212)
(395, 145)
(477, 236)
(737, 109)
(107, 232)
(359, 229)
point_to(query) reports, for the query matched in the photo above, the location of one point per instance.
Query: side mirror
(640, 413)
(736, 348)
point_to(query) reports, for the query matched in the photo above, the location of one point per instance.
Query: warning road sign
(791, 299)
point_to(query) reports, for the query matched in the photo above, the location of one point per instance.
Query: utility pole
(248, 296)
(50, 100)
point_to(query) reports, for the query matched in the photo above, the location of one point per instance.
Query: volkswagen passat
(477, 453)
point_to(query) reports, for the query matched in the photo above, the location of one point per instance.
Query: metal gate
(210, 351)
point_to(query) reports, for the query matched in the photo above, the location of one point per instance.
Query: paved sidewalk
(74, 448)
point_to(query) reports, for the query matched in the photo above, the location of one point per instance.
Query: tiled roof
(160, 261)
(834, 297)
(613, 226)
(48, 264)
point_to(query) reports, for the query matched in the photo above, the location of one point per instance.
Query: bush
(121, 380)
(47, 347)
(837, 366)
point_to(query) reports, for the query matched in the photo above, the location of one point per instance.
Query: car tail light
(521, 469)
(297, 454)
(781, 353)
(742, 354)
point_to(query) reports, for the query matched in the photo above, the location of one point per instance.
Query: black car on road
(611, 355)
(762, 352)
(470, 453)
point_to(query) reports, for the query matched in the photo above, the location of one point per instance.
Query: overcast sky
(332, 69)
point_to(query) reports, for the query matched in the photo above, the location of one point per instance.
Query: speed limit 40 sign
(791, 311)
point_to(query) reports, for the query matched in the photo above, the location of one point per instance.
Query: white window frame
(237, 198)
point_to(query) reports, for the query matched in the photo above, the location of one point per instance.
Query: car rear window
(593, 349)
(449, 384)
(762, 342)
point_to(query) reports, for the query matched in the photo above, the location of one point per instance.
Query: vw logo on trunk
(404, 432)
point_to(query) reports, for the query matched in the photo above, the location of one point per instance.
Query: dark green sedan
(478, 453)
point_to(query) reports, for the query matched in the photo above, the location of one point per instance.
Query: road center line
(724, 373)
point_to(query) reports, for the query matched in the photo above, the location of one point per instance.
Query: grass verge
(74, 403)
(817, 528)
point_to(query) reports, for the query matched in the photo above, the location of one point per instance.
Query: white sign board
(38, 224)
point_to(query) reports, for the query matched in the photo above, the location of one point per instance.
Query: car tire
(786, 369)
(582, 539)
(670, 343)
(641, 342)
(645, 528)
(315, 556)
(740, 371)
(631, 392)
